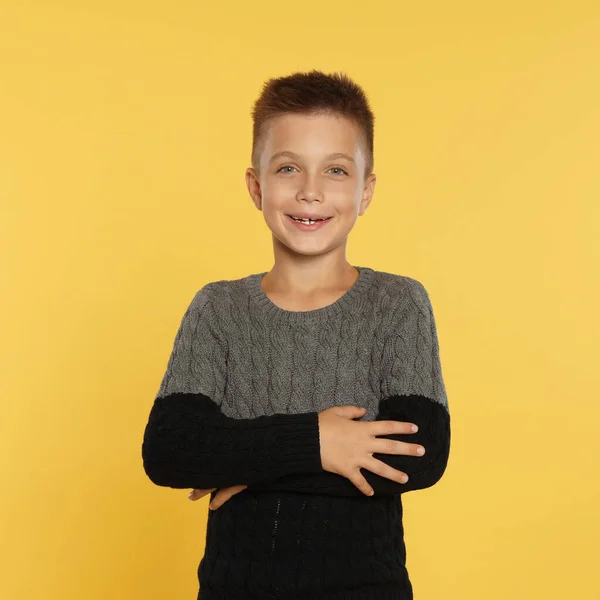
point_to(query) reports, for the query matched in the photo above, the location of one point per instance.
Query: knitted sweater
(239, 404)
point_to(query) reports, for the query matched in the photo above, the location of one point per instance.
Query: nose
(310, 188)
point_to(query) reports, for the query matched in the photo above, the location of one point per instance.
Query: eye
(285, 167)
(281, 169)
(339, 169)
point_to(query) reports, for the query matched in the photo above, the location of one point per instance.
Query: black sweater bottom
(296, 546)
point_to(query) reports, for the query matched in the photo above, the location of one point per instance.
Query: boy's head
(312, 154)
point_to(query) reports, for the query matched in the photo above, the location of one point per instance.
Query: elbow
(172, 452)
(157, 476)
(161, 461)
(430, 473)
(168, 473)
(166, 466)
(154, 461)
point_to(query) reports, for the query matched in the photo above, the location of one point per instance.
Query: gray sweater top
(239, 403)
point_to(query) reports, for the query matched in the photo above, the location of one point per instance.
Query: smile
(307, 224)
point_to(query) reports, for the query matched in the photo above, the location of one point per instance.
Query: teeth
(309, 221)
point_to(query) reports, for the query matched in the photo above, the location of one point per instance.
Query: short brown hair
(313, 92)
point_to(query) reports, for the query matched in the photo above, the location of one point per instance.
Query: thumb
(352, 412)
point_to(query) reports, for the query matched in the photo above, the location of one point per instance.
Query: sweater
(239, 404)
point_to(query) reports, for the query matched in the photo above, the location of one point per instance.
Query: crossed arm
(189, 443)
(424, 471)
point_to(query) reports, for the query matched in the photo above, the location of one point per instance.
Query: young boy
(293, 392)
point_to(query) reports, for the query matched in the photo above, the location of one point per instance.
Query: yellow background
(124, 137)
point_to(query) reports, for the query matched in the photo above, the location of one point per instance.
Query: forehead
(312, 134)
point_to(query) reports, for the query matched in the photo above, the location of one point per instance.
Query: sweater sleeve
(189, 443)
(413, 391)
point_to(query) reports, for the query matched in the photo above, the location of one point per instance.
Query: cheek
(277, 193)
(274, 216)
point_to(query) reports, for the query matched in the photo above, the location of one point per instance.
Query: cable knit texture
(239, 404)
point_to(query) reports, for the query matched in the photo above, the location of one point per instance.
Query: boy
(294, 392)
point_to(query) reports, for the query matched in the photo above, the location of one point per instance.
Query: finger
(222, 496)
(391, 427)
(196, 494)
(386, 446)
(358, 479)
(380, 468)
(225, 494)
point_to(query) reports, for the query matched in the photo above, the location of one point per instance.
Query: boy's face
(311, 181)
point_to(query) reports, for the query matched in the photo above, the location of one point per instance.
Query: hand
(221, 497)
(347, 445)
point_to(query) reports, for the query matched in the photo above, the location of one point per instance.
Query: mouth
(308, 220)
(305, 224)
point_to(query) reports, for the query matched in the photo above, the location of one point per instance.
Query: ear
(253, 185)
(368, 192)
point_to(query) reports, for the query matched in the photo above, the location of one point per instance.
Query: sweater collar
(347, 302)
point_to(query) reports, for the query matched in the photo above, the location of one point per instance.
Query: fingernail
(211, 507)
(414, 428)
(190, 495)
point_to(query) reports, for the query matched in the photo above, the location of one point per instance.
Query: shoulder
(216, 297)
(401, 292)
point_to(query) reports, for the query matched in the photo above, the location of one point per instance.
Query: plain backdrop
(125, 132)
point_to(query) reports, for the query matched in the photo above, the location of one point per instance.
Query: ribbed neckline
(258, 295)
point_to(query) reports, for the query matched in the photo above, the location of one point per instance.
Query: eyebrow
(294, 155)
